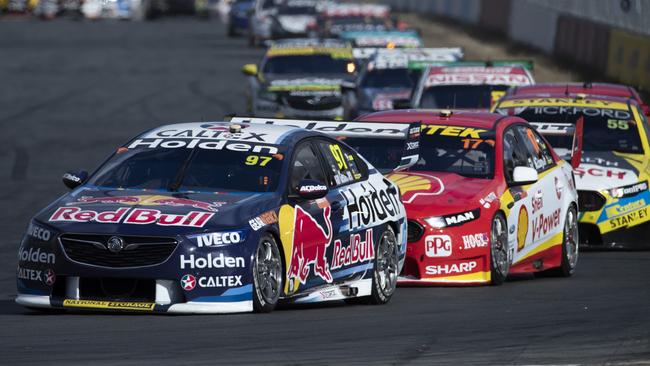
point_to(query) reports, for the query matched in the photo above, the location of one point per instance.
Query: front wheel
(267, 275)
(384, 278)
(499, 263)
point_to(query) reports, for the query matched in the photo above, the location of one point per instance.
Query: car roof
(579, 100)
(484, 120)
(616, 90)
(248, 132)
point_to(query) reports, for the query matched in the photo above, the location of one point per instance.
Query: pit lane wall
(606, 37)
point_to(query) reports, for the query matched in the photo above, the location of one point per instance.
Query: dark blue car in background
(238, 16)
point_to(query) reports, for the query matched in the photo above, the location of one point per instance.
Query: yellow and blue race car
(612, 178)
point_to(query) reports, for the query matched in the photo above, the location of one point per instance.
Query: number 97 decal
(258, 160)
(338, 156)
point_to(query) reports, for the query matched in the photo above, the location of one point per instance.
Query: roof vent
(235, 128)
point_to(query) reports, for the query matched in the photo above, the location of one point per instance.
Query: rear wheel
(499, 263)
(569, 246)
(267, 275)
(384, 278)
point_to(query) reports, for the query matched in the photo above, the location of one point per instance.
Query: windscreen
(388, 78)
(604, 129)
(383, 154)
(466, 151)
(297, 10)
(197, 169)
(459, 96)
(305, 64)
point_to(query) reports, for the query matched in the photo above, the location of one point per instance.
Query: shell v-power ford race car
(488, 197)
(221, 217)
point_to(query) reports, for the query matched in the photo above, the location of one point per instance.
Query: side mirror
(311, 189)
(401, 104)
(524, 175)
(249, 69)
(73, 180)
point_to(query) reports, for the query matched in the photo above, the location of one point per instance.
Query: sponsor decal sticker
(136, 216)
(188, 282)
(438, 246)
(522, 227)
(452, 268)
(165, 143)
(357, 251)
(211, 261)
(630, 219)
(310, 242)
(598, 172)
(461, 218)
(50, 277)
(219, 239)
(267, 218)
(616, 210)
(38, 232)
(472, 241)
(543, 224)
(627, 191)
(413, 185)
(370, 206)
(36, 256)
(487, 200)
(111, 305)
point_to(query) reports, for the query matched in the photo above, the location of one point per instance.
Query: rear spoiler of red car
(565, 129)
(409, 132)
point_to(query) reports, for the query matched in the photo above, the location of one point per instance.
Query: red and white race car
(469, 84)
(488, 197)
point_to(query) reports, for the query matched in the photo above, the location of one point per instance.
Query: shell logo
(522, 228)
(412, 185)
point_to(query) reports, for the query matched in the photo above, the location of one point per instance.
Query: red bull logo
(310, 242)
(152, 200)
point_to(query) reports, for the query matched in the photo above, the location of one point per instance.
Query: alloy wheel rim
(571, 238)
(386, 267)
(499, 247)
(267, 272)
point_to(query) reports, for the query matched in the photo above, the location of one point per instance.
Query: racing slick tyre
(499, 263)
(384, 276)
(267, 275)
(569, 246)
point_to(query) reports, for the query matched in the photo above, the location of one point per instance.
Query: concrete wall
(610, 37)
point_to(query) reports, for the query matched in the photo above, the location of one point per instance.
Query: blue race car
(220, 217)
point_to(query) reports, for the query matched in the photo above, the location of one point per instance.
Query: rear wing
(440, 54)
(409, 132)
(565, 129)
(525, 64)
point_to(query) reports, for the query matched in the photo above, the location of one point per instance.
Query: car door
(546, 203)
(349, 196)
(306, 225)
(518, 198)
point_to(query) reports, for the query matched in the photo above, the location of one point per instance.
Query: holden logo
(188, 282)
(115, 244)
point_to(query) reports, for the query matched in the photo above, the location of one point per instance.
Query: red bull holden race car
(215, 218)
(488, 197)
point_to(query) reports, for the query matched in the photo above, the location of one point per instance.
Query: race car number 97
(258, 160)
(338, 155)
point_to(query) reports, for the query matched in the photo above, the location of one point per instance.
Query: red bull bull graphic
(151, 200)
(310, 242)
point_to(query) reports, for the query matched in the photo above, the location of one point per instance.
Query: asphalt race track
(70, 92)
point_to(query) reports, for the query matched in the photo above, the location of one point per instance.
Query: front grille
(313, 103)
(415, 231)
(138, 250)
(590, 201)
